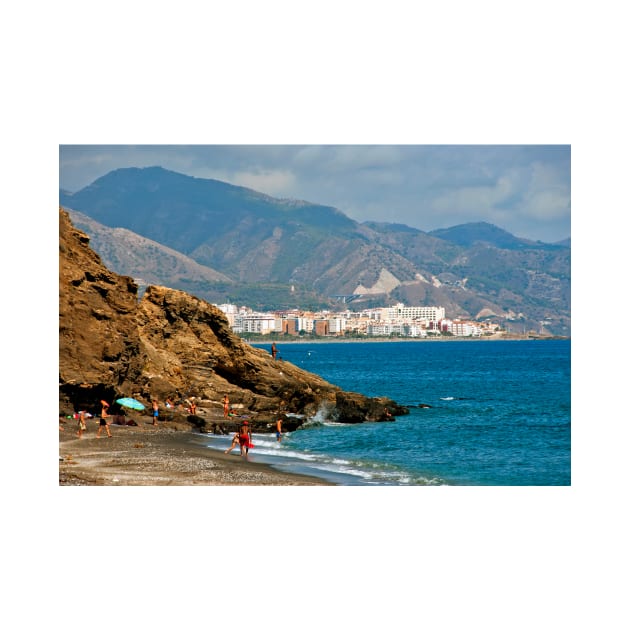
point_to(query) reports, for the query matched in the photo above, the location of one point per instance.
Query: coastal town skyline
(398, 320)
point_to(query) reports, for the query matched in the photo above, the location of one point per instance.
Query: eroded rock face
(99, 345)
(173, 344)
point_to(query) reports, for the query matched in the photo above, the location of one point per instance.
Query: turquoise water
(500, 414)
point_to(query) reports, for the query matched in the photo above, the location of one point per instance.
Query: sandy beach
(169, 454)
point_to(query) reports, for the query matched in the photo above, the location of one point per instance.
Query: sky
(524, 189)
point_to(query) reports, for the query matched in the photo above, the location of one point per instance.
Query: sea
(481, 413)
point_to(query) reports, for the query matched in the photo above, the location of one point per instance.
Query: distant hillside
(148, 262)
(141, 258)
(471, 234)
(283, 251)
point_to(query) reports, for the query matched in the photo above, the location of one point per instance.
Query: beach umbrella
(132, 403)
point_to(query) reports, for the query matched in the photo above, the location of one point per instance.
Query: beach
(168, 454)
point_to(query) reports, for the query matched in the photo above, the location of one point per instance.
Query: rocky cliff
(172, 344)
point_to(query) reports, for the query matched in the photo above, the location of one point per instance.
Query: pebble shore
(168, 454)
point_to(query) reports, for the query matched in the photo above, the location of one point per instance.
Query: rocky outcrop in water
(171, 344)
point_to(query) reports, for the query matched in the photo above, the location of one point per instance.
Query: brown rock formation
(173, 344)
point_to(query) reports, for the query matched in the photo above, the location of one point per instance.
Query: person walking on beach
(226, 406)
(103, 420)
(104, 408)
(156, 412)
(245, 438)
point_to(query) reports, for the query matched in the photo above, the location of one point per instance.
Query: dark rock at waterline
(352, 408)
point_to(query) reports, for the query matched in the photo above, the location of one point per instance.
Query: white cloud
(278, 183)
(476, 199)
(548, 196)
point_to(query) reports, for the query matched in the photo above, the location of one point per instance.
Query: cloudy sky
(524, 189)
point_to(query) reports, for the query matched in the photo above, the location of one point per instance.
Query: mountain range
(228, 243)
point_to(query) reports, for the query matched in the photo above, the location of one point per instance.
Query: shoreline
(169, 454)
(511, 337)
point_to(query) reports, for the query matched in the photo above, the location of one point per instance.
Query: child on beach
(81, 423)
(234, 442)
(156, 411)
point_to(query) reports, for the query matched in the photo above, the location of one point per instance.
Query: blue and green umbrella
(132, 403)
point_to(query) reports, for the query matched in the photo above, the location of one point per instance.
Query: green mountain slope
(305, 251)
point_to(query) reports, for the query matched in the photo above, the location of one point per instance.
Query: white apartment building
(305, 324)
(261, 323)
(230, 311)
(336, 326)
(413, 313)
(387, 328)
(460, 328)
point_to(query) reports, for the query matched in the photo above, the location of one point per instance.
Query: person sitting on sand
(170, 407)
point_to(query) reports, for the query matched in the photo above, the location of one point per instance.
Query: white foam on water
(340, 470)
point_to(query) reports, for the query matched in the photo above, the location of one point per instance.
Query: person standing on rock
(156, 412)
(274, 350)
(226, 406)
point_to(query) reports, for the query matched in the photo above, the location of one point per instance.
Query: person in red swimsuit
(244, 437)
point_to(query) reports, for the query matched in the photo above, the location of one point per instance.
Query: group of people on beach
(188, 405)
(243, 437)
(82, 416)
